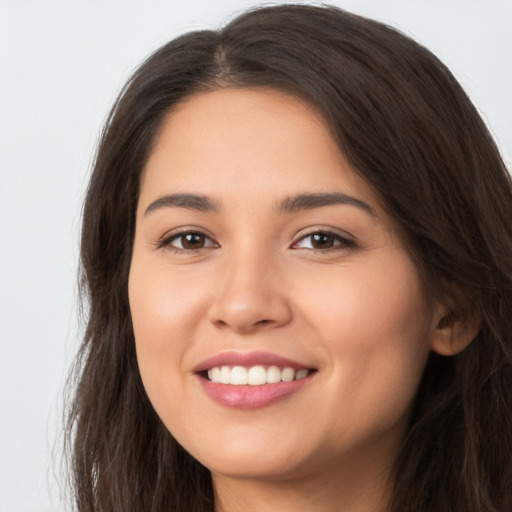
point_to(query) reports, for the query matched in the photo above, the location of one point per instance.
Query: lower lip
(252, 397)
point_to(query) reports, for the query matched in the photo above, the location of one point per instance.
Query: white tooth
(257, 376)
(273, 375)
(300, 374)
(225, 375)
(288, 374)
(210, 374)
(238, 375)
(215, 374)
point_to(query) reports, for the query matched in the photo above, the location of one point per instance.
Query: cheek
(164, 318)
(165, 302)
(374, 324)
(375, 302)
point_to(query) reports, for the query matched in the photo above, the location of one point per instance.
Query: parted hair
(409, 130)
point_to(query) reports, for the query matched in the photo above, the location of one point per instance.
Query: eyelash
(167, 241)
(338, 242)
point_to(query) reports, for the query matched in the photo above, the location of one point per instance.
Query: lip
(248, 359)
(252, 397)
(246, 396)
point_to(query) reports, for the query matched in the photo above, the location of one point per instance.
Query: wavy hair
(407, 127)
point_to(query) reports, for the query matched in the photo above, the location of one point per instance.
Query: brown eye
(188, 241)
(192, 241)
(323, 241)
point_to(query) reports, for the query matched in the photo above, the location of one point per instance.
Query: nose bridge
(250, 296)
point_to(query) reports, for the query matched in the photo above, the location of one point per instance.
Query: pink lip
(250, 397)
(248, 359)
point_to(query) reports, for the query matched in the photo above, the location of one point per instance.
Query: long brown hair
(408, 128)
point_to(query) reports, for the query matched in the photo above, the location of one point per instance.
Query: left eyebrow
(310, 201)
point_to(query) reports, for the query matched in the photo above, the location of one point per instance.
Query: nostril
(249, 326)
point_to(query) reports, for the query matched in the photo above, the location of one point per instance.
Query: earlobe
(454, 332)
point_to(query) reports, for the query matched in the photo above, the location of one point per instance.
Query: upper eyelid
(345, 240)
(176, 232)
(303, 233)
(165, 242)
(171, 235)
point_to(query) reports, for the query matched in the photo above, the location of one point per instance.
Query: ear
(454, 330)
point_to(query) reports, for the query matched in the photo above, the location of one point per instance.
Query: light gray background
(61, 65)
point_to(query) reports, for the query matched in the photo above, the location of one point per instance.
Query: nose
(250, 297)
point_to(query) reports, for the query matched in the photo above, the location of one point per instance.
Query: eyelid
(346, 239)
(170, 236)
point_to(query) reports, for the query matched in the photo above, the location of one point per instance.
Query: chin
(243, 459)
(257, 468)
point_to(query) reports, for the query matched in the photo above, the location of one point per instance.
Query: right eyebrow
(190, 201)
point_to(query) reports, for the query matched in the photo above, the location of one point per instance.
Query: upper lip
(248, 359)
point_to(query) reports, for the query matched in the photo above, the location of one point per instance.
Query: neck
(362, 488)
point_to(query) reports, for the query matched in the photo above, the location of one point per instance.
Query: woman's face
(280, 325)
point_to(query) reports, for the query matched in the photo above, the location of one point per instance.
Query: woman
(296, 249)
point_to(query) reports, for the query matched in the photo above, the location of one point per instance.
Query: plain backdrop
(61, 65)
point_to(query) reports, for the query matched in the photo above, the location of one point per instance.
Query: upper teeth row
(254, 375)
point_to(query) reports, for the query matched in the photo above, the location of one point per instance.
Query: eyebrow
(190, 201)
(288, 205)
(310, 201)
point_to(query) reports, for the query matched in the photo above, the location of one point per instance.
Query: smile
(254, 375)
(251, 380)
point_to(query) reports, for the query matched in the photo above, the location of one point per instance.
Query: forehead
(256, 143)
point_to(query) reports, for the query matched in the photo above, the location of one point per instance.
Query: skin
(356, 312)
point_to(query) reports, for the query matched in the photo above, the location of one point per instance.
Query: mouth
(252, 380)
(254, 375)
